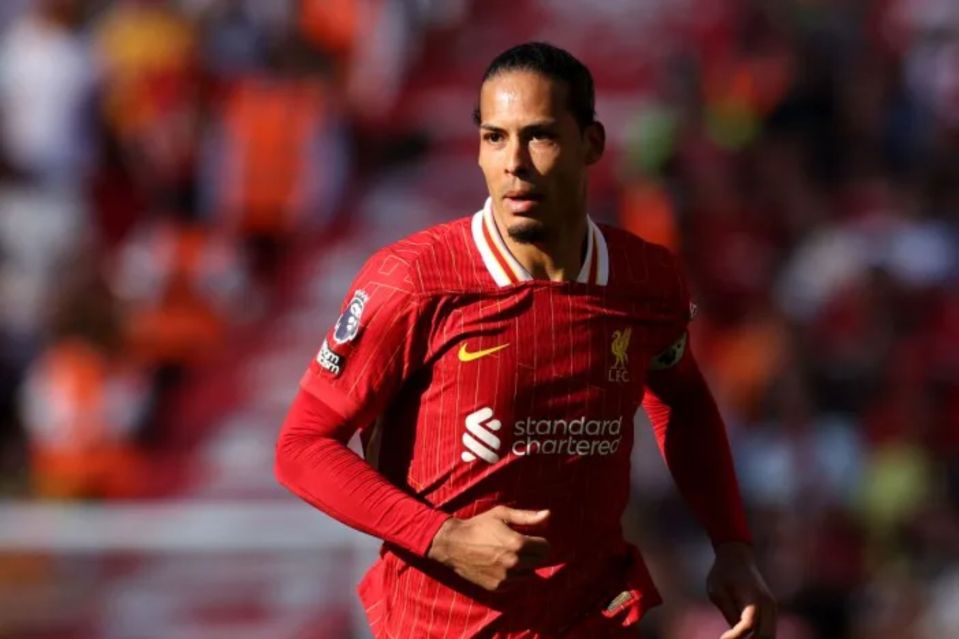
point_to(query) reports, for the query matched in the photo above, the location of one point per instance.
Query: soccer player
(493, 366)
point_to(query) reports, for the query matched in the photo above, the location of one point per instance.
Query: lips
(522, 194)
(521, 200)
(518, 207)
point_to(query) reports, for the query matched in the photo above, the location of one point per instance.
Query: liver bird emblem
(620, 346)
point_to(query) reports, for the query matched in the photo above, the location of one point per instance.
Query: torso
(521, 393)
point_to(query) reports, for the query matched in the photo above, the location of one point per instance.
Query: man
(494, 365)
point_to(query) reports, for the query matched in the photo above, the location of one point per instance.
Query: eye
(493, 137)
(542, 136)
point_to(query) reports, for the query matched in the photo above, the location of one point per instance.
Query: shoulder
(637, 263)
(437, 258)
(648, 271)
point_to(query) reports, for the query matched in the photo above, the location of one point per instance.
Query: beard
(528, 232)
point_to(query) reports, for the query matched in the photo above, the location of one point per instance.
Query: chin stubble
(529, 232)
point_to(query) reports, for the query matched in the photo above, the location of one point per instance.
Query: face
(534, 155)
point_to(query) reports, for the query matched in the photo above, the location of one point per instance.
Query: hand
(738, 590)
(486, 551)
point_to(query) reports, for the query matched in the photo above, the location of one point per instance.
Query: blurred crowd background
(187, 188)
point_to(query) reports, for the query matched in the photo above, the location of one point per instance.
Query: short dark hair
(556, 64)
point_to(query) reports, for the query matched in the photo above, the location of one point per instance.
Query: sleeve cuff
(427, 531)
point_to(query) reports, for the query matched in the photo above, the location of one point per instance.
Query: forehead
(522, 95)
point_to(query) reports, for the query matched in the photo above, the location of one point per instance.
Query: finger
(747, 622)
(533, 555)
(727, 605)
(522, 517)
(534, 545)
(524, 569)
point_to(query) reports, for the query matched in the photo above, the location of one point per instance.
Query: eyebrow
(540, 124)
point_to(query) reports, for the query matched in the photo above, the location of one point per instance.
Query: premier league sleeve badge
(348, 325)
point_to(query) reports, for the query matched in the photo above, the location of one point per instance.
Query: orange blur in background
(187, 189)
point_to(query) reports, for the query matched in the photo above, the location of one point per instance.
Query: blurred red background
(187, 188)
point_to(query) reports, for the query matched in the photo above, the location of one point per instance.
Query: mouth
(522, 200)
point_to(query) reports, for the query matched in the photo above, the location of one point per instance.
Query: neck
(559, 259)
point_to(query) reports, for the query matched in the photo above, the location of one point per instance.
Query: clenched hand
(486, 551)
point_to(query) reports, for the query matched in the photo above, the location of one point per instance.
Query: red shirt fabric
(475, 385)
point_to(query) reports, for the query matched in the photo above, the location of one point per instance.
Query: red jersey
(477, 385)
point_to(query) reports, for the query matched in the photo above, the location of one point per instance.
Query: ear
(595, 135)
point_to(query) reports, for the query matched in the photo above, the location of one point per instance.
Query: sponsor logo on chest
(578, 437)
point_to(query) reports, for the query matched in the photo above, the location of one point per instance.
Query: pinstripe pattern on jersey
(442, 287)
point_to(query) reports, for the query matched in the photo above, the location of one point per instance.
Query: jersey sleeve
(692, 439)
(376, 343)
(314, 462)
(670, 341)
(687, 424)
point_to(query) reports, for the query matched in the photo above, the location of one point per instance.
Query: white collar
(506, 269)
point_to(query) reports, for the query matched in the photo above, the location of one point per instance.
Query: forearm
(314, 462)
(692, 438)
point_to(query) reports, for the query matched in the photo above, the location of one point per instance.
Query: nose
(517, 158)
